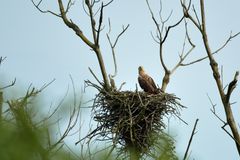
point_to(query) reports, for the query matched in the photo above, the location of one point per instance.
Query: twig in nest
(133, 119)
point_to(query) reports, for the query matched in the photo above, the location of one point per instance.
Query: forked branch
(95, 31)
(213, 110)
(161, 37)
(225, 97)
(37, 6)
(113, 45)
(2, 59)
(9, 85)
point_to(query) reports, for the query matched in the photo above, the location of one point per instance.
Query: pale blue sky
(39, 47)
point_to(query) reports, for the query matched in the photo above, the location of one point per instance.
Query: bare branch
(37, 6)
(187, 14)
(190, 140)
(85, 10)
(2, 59)
(213, 105)
(214, 112)
(95, 45)
(50, 114)
(113, 45)
(227, 41)
(206, 57)
(120, 34)
(184, 56)
(93, 2)
(93, 22)
(160, 38)
(101, 18)
(120, 88)
(182, 120)
(10, 85)
(47, 84)
(155, 38)
(73, 26)
(223, 127)
(154, 20)
(170, 27)
(95, 76)
(69, 5)
(195, 61)
(164, 21)
(214, 67)
(73, 119)
(231, 86)
(188, 36)
(105, 5)
(218, 117)
(196, 15)
(100, 23)
(95, 32)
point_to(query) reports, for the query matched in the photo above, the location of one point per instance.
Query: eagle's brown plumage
(146, 82)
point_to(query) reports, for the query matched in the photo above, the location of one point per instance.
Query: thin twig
(10, 85)
(100, 23)
(95, 76)
(190, 140)
(2, 59)
(113, 45)
(37, 6)
(226, 42)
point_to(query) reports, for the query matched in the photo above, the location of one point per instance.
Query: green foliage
(165, 148)
(19, 137)
(17, 143)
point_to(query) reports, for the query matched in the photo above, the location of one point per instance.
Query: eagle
(146, 82)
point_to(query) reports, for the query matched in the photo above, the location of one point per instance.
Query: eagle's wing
(147, 84)
(152, 83)
(143, 83)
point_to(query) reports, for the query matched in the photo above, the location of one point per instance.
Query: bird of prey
(146, 82)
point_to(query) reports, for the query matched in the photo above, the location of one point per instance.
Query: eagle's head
(141, 70)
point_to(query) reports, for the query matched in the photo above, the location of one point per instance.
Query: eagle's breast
(147, 83)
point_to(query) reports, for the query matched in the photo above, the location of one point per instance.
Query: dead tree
(131, 118)
(96, 28)
(107, 97)
(161, 37)
(200, 24)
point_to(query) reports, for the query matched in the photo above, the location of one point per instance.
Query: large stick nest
(131, 118)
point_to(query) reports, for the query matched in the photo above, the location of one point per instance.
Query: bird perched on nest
(146, 82)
